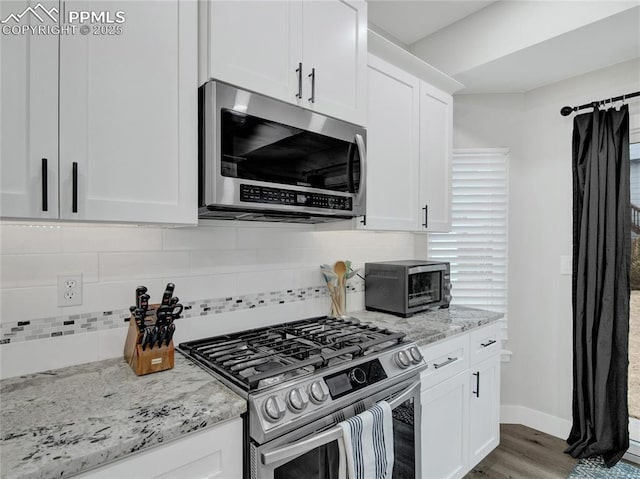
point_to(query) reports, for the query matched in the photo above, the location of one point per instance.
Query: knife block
(149, 360)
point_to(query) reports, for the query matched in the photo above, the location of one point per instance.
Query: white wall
(227, 260)
(537, 383)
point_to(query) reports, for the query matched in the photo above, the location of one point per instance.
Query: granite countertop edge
(432, 326)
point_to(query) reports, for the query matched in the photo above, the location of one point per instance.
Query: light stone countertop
(429, 327)
(62, 422)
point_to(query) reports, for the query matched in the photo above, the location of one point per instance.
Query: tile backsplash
(222, 271)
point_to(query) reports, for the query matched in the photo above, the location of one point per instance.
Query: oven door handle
(298, 448)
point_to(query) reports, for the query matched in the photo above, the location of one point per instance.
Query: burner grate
(265, 355)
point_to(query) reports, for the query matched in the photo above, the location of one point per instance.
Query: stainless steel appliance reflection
(301, 379)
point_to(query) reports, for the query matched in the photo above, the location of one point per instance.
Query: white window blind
(476, 247)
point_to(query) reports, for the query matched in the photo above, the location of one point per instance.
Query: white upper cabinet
(392, 148)
(252, 44)
(310, 53)
(436, 141)
(119, 104)
(128, 116)
(409, 152)
(29, 119)
(334, 58)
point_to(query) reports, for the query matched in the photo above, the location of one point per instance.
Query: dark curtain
(601, 255)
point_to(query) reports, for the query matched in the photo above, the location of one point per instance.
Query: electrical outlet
(70, 290)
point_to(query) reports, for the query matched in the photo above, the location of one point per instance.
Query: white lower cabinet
(484, 411)
(212, 453)
(445, 426)
(460, 403)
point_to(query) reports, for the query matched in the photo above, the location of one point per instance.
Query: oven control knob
(358, 376)
(318, 392)
(415, 354)
(274, 409)
(402, 359)
(297, 400)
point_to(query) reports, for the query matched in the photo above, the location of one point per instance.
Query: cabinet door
(128, 115)
(213, 453)
(436, 124)
(255, 45)
(392, 148)
(484, 430)
(445, 428)
(335, 45)
(29, 115)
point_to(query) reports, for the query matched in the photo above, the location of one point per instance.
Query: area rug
(594, 468)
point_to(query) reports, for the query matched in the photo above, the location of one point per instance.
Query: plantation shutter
(476, 247)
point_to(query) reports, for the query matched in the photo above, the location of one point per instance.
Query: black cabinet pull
(45, 185)
(444, 363)
(299, 72)
(477, 391)
(74, 206)
(426, 216)
(312, 75)
(364, 220)
(488, 343)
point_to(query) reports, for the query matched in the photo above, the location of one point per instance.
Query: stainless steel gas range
(301, 379)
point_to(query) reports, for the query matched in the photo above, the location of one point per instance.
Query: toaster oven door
(424, 286)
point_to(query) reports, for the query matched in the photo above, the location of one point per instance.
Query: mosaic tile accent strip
(58, 326)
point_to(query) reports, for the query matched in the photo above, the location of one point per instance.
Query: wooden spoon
(340, 269)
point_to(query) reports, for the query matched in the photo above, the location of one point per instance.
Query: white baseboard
(540, 421)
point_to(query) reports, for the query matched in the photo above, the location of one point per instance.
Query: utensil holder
(338, 297)
(150, 360)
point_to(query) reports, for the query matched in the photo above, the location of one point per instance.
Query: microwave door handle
(363, 167)
(305, 445)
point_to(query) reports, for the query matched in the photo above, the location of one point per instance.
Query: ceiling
(410, 21)
(508, 46)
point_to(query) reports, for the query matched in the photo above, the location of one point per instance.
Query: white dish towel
(367, 444)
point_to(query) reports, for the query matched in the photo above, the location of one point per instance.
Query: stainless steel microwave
(407, 287)
(263, 159)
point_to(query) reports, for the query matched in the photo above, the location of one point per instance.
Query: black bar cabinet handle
(488, 343)
(74, 206)
(299, 72)
(477, 391)
(444, 363)
(45, 185)
(312, 75)
(426, 216)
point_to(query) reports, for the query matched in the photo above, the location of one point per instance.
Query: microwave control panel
(280, 196)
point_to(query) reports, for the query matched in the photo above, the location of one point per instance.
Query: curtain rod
(567, 110)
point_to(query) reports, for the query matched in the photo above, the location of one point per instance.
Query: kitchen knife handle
(312, 75)
(477, 391)
(74, 205)
(45, 185)
(426, 216)
(299, 72)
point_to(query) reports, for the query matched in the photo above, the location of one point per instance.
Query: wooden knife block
(149, 360)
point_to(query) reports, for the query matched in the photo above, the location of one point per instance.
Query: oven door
(311, 452)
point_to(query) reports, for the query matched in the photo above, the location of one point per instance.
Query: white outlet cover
(70, 290)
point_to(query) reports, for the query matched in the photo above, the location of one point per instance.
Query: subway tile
(20, 271)
(272, 238)
(29, 239)
(44, 354)
(117, 266)
(199, 238)
(259, 281)
(110, 238)
(212, 262)
(190, 288)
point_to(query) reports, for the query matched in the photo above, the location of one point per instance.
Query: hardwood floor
(525, 453)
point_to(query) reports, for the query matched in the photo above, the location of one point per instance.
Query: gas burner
(259, 358)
